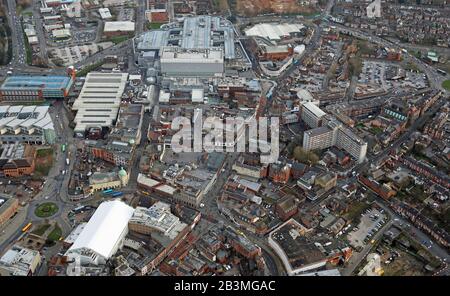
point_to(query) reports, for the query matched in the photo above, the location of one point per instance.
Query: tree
(300, 154)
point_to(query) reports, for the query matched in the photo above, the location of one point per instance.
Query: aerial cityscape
(224, 138)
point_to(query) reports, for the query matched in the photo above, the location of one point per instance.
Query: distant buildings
(19, 261)
(26, 124)
(35, 88)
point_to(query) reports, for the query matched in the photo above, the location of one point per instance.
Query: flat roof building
(19, 261)
(27, 88)
(300, 252)
(99, 100)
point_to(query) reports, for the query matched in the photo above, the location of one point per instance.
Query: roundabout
(46, 209)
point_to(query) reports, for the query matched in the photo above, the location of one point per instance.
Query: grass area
(89, 68)
(118, 39)
(446, 84)
(56, 233)
(41, 229)
(359, 125)
(44, 152)
(154, 26)
(44, 161)
(46, 209)
(28, 51)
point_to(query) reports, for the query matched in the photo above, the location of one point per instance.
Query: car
(202, 205)
(47, 197)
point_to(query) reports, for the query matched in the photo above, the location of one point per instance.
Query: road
(17, 35)
(40, 30)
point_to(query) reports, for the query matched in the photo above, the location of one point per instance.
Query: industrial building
(27, 124)
(99, 100)
(19, 261)
(192, 62)
(21, 88)
(103, 235)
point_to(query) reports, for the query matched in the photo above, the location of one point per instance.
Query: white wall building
(192, 62)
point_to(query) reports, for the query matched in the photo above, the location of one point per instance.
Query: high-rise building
(335, 134)
(312, 115)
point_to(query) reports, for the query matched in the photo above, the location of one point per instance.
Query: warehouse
(99, 100)
(118, 28)
(192, 62)
(103, 235)
(23, 88)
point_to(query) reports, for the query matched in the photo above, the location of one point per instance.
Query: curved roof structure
(105, 228)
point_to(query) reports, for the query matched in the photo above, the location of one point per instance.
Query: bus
(108, 191)
(27, 227)
(63, 148)
(442, 72)
(117, 194)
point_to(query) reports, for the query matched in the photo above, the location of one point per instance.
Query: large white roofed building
(99, 100)
(274, 32)
(103, 235)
